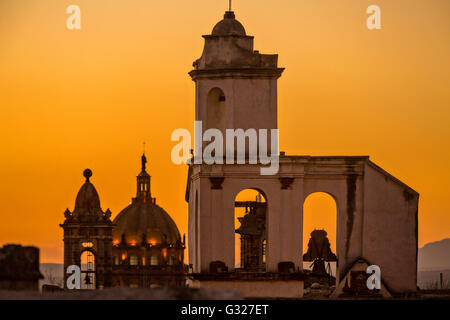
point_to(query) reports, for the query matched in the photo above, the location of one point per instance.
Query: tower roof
(87, 205)
(145, 219)
(229, 26)
(229, 52)
(87, 197)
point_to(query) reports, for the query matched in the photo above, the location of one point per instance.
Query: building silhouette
(140, 248)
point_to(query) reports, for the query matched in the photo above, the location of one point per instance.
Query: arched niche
(216, 110)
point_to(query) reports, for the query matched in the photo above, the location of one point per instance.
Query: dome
(87, 196)
(229, 26)
(145, 218)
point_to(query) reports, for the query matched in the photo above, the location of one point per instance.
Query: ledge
(248, 276)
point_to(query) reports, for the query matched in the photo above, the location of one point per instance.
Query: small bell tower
(143, 192)
(88, 238)
(236, 86)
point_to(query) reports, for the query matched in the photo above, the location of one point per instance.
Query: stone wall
(19, 268)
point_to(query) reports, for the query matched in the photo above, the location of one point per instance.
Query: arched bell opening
(88, 270)
(320, 237)
(250, 230)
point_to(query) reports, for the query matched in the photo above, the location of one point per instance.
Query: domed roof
(145, 218)
(229, 26)
(87, 197)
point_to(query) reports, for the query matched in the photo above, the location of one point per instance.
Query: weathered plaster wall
(376, 214)
(390, 228)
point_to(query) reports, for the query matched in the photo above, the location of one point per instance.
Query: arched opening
(88, 273)
(250, 220)
(319, 235)
(216, 110)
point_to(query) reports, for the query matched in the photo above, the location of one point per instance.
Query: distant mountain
(435, 256)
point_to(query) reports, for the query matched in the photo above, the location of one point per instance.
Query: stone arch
(344, 192)
(88, 266)
(323, 202)
(250, 212)
(330, 193)
(258, 189)
(347, 192)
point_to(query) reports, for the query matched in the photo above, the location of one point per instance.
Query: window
(264, 248)
(116, 260)
(133, 260)
(87, 244)
(154, 260)
(171, 260)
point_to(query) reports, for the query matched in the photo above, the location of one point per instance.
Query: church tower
(235, 88)
(235, 85)
(88, 238)
(143, 192)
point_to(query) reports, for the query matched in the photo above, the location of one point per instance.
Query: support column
(290, 223)
(273, 232)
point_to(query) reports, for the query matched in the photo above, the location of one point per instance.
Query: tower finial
(87, 174)
(229, 7)
(143, 162)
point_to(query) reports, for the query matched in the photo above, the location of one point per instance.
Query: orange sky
(89, 98)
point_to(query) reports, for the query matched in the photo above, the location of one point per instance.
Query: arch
(257, 189)
(250, 223)
(88, 269)
(320, 191)
(320, 212)
(216, 110)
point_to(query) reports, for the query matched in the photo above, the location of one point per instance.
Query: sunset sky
(76, 99)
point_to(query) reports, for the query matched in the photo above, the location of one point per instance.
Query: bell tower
(143, 192)
(235, 88)
(88, 238)
(235, 85)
